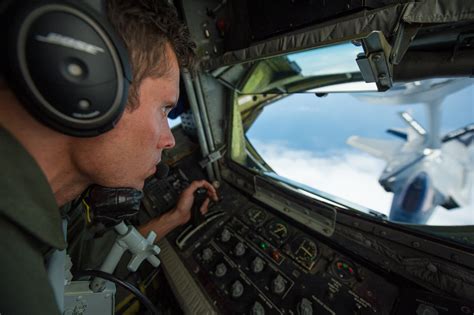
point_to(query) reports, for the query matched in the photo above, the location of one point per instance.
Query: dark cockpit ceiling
(427, 39)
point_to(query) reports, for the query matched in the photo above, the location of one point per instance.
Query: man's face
(128, 154)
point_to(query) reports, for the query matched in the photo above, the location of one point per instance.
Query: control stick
(200, 196)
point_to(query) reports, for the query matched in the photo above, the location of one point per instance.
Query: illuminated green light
(263, 245)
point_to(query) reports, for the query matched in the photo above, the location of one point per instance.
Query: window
(357, 146)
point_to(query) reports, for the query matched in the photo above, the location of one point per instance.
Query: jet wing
(383, 149)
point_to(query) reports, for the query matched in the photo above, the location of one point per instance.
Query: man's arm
(181, 213)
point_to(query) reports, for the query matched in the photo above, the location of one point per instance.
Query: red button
(276, 255)
(220, 24)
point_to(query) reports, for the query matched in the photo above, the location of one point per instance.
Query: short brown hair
(146, 26)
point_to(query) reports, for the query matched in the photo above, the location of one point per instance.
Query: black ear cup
(67, 66)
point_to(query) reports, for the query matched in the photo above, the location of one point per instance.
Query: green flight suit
(30, 228)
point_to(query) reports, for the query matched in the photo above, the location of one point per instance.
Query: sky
(174, 122)
(331, 59)
(303, 137)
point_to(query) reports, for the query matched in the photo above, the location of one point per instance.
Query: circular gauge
(256, 216)
(278, 230)
(305, 251)
(344, 270)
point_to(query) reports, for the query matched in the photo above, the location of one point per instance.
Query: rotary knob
(257, 265)
(237, 289)
(239, 249)
(221, 270)
(278, 285)
(257, 309)
(207, 254)
(305, 307)
(225, 235)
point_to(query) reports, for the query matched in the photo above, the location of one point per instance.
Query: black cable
(124, 284)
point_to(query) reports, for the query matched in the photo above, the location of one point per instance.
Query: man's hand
(181, 213)
(186, 200)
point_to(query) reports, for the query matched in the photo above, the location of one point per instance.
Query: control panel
(249, 259)
(254, 262)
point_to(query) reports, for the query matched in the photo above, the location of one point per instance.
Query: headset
(66, 64)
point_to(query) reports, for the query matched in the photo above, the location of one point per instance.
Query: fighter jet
(425, 170)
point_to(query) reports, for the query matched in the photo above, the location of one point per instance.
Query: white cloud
(349, 175)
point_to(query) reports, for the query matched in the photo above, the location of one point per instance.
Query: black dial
(256, 216)
(305, 251)
(278, 230)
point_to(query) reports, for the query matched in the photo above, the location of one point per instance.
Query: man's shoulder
(24, 287)
(26, 197)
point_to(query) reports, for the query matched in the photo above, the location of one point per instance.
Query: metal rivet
(206, 33)
(383, 233)
(84, 104)
(432, 267)
(74, 69)
(415, 244)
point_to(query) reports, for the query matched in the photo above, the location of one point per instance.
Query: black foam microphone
(110, 206)
(162, 170)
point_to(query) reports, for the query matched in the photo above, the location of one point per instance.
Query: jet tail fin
(400, 133)
(465, 135)
(415, 125)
